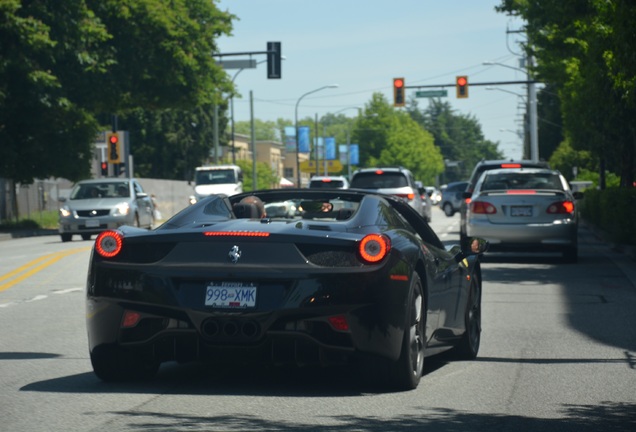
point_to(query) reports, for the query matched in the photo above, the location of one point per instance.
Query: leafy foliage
(585, 51)
(65, 67)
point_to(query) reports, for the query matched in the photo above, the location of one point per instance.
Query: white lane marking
(40, 297)
(68, 290)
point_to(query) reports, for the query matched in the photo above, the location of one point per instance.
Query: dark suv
(391, 181)
(479, 169)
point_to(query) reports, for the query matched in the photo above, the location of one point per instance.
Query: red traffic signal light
(114, 148)
(461, 86)
(399, 99)
(104, 168)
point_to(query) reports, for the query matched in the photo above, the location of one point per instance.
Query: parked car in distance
(452, 197)
(526, 209)
(434, 194)
(395, 181)
(105, 203)
(427, 204)
(328, 182)
(482, 166)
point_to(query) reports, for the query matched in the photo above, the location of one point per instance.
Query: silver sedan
(525, 209)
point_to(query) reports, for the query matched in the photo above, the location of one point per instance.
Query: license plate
(521, 211)
(92, 223)
(230, 295)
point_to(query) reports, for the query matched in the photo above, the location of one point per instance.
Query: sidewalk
(624, 256)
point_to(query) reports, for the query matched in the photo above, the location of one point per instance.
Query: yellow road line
(31, 268)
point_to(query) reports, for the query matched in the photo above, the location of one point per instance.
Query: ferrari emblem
(234, 254)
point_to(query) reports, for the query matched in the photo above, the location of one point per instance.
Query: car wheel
(111, 363)
(448, 209)
(66, 237)
(86, 236)
(468, 346)
(406, 372)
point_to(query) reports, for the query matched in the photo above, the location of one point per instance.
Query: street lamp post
(296, 126)
(532, 107)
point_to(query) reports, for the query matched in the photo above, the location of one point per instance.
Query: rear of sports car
(243, 291)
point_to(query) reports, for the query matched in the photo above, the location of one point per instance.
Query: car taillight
(482, 207)
(374, 247)
(561, 207)
(108, 244)
(409, 196)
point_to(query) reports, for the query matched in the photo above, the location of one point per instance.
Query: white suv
(390, 181)
(328, 182)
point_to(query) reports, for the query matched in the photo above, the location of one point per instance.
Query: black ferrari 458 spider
(338, 277)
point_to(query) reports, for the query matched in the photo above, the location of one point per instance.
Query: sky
(361, 45)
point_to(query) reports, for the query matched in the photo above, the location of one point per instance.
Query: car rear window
(508, 181)
(326, 184)
(373, 180)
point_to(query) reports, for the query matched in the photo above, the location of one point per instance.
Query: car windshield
(374, 180)
(508, 181)
(217, 176)
(100, 190)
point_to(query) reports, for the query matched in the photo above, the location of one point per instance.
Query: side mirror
(62, 199)
(472, 246)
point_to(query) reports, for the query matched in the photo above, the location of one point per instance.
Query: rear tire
(86, 236)
(468, 346)
(112, 364)
(406, 372)
(66, 237)
(448, 209)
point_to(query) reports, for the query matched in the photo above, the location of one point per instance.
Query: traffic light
(461, 85)
(274, 58)
(114, 148)
(104, 169)
(398, 92)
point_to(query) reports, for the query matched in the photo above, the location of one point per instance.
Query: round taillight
(374, 247)
(108, 244)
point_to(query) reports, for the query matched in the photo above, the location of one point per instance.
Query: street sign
(432, 93)
(310, 166)
(237, 64)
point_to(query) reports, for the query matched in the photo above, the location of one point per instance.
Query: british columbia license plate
(231, 294)
(92, 223)
(521, 211)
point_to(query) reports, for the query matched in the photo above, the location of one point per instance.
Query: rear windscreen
(373, 180)
(331, 184)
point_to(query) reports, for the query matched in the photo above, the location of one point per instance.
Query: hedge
(613, 210)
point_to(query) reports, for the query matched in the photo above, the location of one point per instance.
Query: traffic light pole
(472, 84)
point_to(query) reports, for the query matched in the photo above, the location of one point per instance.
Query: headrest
(246, 211)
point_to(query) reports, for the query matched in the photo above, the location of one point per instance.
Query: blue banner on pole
(290, 139)
(354, 158)
(330, 148)
(343, 153)
(303, 139)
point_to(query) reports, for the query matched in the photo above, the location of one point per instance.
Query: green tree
(66, 67)
(265, 177)
(459, 137)
(584, 49)
(263, 130)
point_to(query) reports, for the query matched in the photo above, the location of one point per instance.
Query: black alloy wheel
(407, 370)
(468, 346)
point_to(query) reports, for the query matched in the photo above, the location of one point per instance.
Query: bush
(612, 210)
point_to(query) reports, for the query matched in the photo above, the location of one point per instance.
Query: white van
(215, 180)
